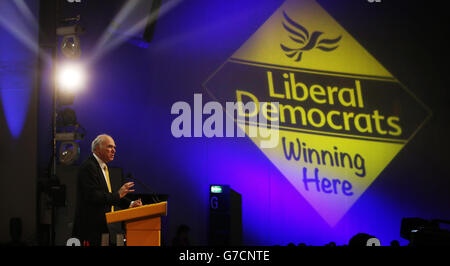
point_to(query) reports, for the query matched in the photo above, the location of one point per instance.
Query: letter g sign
(214, 203)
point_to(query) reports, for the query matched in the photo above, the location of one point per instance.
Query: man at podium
(94, 194)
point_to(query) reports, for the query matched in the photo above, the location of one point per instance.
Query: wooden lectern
(143, 224)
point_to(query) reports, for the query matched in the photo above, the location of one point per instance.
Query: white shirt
(102, 166)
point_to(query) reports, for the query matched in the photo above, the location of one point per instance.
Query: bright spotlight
(71, 77)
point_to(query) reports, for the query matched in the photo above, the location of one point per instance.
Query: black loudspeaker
(65, 213)
(225, 216)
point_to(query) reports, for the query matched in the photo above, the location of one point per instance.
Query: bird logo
(300, 35)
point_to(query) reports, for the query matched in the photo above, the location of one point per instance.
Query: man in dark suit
(94, 194)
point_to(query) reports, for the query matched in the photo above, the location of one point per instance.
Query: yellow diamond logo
(341, 116)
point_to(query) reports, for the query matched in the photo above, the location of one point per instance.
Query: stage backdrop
(18, 118)
(360, 117)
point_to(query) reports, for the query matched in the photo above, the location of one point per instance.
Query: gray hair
(97, 141)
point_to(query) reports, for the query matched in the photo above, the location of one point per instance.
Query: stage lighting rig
(69, 152)
(69, 135)
(70, 46)
(69, 78)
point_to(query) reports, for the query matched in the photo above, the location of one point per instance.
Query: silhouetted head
(395, 243)
(359, 240)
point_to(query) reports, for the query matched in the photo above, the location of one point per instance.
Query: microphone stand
(154, 196)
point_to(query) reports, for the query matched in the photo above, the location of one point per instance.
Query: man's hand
(125, 189)
(136, 203)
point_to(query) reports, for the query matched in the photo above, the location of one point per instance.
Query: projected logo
(300, 35)
(342, 116)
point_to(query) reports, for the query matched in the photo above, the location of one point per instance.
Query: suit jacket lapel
(100, 175)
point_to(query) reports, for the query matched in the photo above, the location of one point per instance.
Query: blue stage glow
(16, 70)
(15, 96)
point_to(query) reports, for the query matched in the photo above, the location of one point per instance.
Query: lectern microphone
(153, 194)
